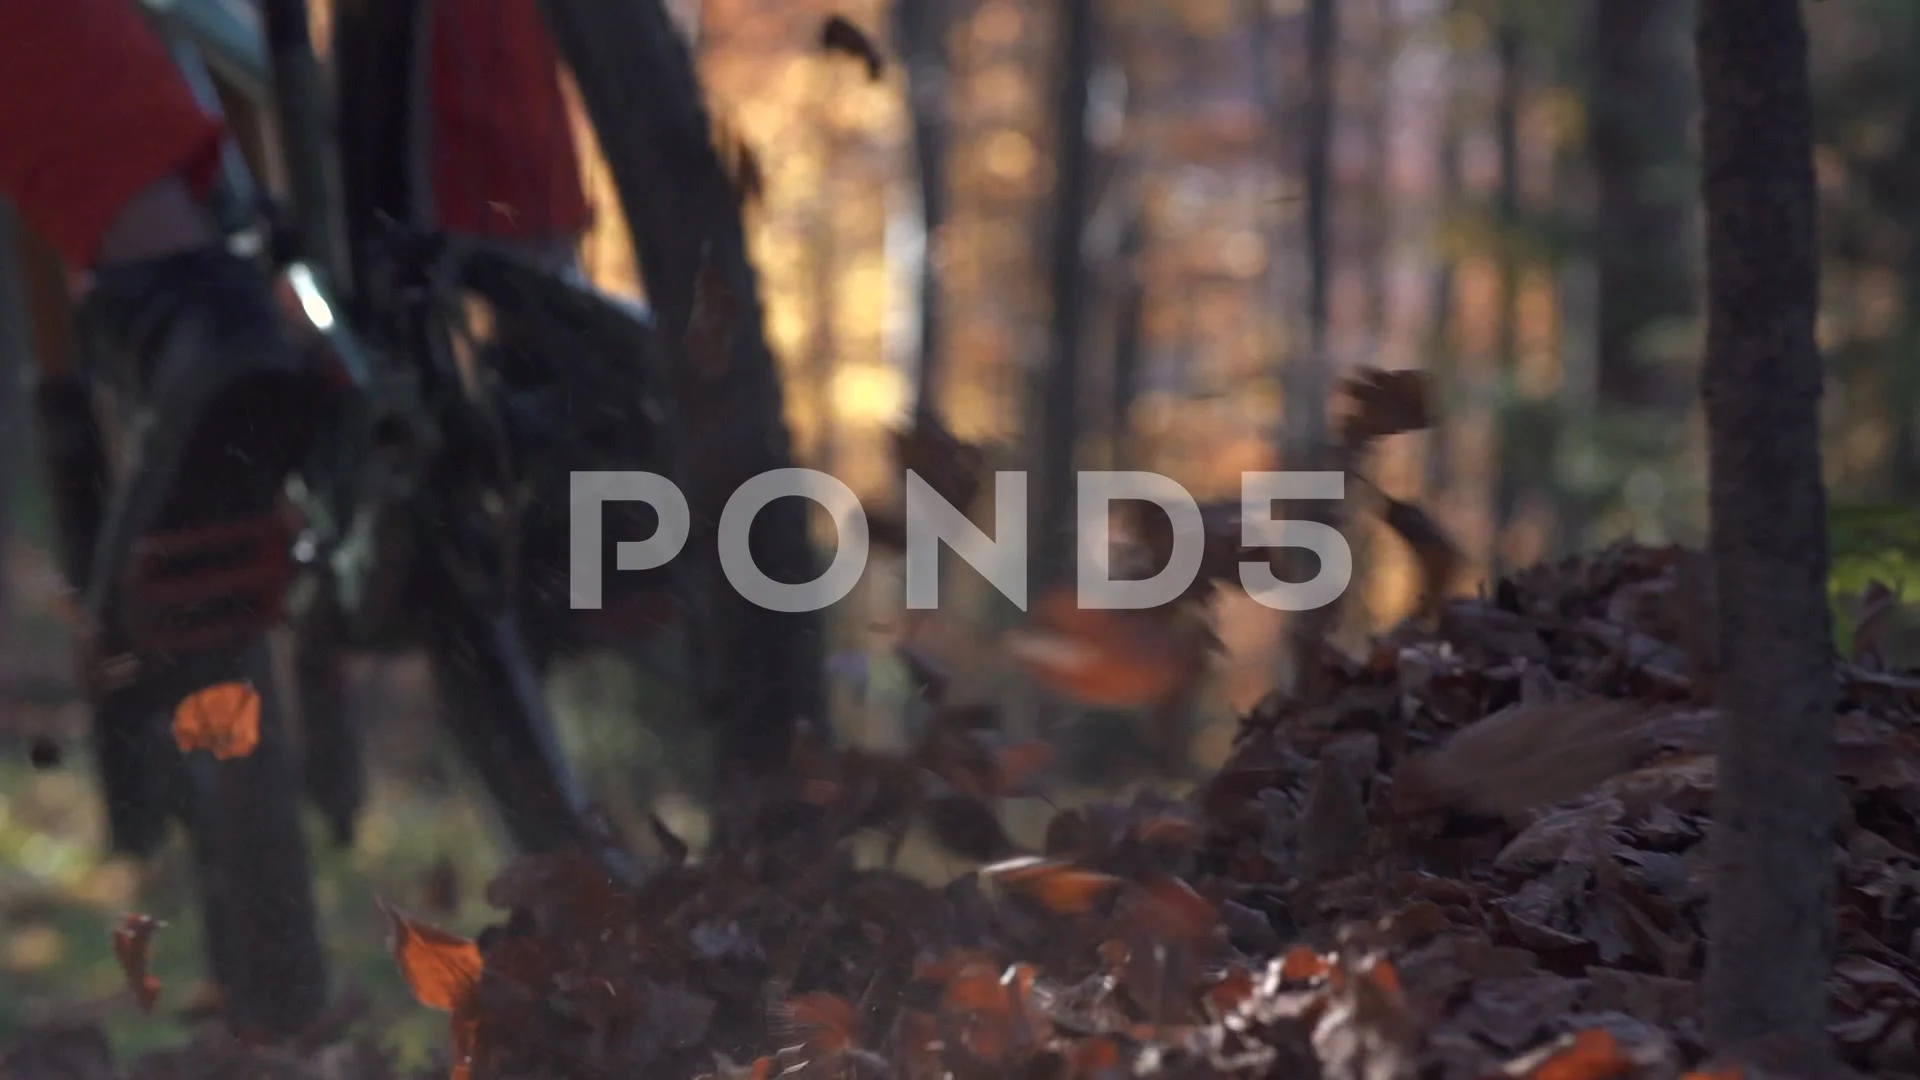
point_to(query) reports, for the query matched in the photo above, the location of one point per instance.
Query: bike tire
(638, 83)
(259, 916)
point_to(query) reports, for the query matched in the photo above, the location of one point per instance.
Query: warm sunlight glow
(869, 394)
(1009, 155)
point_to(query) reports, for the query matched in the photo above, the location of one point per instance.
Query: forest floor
(1473, 850)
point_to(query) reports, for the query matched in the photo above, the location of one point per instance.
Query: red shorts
(92, 111)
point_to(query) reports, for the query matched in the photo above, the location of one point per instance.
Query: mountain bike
(433, 510)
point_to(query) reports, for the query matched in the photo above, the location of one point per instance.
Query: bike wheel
(637, 81)
(260, 921)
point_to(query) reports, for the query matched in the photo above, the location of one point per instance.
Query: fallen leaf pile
(1473, 851)
(1476, 852)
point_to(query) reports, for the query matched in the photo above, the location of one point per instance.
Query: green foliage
(1870, 543)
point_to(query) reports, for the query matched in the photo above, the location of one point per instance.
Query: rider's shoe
(216, 405)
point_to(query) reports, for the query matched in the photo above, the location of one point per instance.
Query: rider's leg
(104, 150)
(502, 161)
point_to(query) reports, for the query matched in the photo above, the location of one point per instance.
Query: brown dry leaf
(839, 34)
(955, 469)
(1021, 766)
(1059, 887)
(1165, 909)
(1383, 403)
(1592, 1054)
(132, 946)
(1302, 964)
(1119, 659)
(223, 719)
(1334, 829)
(1525, 756)
(441, 969)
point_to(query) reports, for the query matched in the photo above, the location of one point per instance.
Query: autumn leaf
(828, 1022)
(1383, 403)
(1059, 887)
(1303, 964)
(133, 946)
(441, 969)
(1592, 1054)
(1021, 765)
(1119, 659)
(1166, 909)
(839, 34)
(1525, 756)
(223, 719)
(1234, 987)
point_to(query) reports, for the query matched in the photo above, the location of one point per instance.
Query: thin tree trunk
(921, 33)
(1053, 547)
(1510, 482)
(1307, 396)
(1905, 391)
(822, 254)
(1637, 142)
(1129, 339)
(1771, 918)
(1442, 344)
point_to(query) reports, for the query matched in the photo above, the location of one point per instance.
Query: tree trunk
(1308, 386)
(920, 28)
(1053, 545)
(1771, 919)
(1514, 468)
(1442, 341)
(759, 670)
(1129, 338)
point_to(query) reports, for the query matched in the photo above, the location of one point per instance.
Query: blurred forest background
(1263, 193)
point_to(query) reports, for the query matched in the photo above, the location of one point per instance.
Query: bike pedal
(205, 588)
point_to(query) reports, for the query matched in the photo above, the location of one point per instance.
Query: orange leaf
(1171, 831)
(976, 989)
(132, 945)
(1385, 976)
(223, 719)
(1593, 1054)
(1059, 887)
(944, 967)
(1235, 987)
(1302, 964)
(1118, 659)
(1092, 1057)
(440, 968)
(1167, 909)
(1020, 763)
(1724, 1072)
